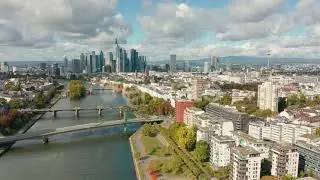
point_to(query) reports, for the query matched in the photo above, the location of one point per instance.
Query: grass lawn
(151, 145)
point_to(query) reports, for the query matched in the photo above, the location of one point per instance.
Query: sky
(192, 29)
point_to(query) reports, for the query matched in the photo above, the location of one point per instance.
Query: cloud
(39, 22)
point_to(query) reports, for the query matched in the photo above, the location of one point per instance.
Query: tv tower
(268, 54)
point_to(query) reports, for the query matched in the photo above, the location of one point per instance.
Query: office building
(214, 63)
(66, 63)
(197, 87)
(309, 157)
(220, 150)
(43, 66)
(76, 66)
(55, 70)
(134, 59)
(173, 63)
(285, 160)
(206, 67)
(268, 96)
(93, 60)
(245, 163)
(240, 120)
(180, 106)
(118, 56)
(83, 61)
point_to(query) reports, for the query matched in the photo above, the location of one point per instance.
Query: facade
(309, 157)
(243, 139)
(285, 160)
(220, 150)
(197, 87)
(206, 68)
(76, 66)
(65, 62)
(190, 114)
(278, 131)
(240, 120)
(180, 106)
(173, 63)
(268, 96)
(245, 164)
(239, 95)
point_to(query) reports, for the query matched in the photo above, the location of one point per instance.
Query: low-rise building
(245, 164)
(239, 95)
(190, 114)
(285, 160)
(220, 150)
(309, 157)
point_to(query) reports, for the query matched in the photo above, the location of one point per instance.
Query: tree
(226, 99)
(3, 101)
(265, 168)
(287, 177)
(318, 131)
(186, 138)
(17, 103)
(201, 152)
(150, 130)
(77, 89)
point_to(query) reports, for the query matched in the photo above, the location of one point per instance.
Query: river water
(87, 155)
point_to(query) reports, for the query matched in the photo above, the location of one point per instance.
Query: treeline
(77, 89)
(148, 105)
(11, 120)
(232, 85)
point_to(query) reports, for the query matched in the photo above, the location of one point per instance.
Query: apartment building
(225, 113)
(239, 95)
(220, 150)
(309, 157)
(268, 96)
(245, 164)
(190, 114)
(285, 160)
(243, 139)
(197, 87)
(279, 131)
(180, 106)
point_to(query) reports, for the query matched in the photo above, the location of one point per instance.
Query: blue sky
(51, 29)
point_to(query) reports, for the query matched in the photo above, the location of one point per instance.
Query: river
(87, 155)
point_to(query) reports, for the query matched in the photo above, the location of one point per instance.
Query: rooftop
(223, 138)
(244, 151)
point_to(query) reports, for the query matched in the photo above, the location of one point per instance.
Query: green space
(77, 89)
(232, 85)
(148, 105)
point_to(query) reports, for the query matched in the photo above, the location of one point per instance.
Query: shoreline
(29, 125)
(135, 163)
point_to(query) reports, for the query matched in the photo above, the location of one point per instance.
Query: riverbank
(32, 121)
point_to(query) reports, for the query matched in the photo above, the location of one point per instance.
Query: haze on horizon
(192, 29)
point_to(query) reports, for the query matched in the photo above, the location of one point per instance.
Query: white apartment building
(190, 114)
(278, 131)
(285, 160)
(197, 87)
(268, 96)
(220, 149)
(239, 95)
(243, 139)
(245, 164)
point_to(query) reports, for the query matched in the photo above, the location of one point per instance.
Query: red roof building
(181, 105)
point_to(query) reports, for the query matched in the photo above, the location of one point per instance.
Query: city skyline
(32, 30)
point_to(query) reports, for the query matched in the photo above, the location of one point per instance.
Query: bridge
(76, 110)
(45, 134)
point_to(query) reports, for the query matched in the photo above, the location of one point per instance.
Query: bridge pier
(76, 112)
(100, 111)
(45, 140)
(54, 114)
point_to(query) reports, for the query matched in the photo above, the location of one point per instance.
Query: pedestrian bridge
(45, 134)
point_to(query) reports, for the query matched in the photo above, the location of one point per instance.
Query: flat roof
(245, 151)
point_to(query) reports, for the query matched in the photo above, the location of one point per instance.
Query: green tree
(226, 99)
(17, 103)
(265, 168)
(77, 89)
(3, 101)
(292, 100)
(186, 138)
(318, 131)
(287, 177)
(150, 130)
(201, 152)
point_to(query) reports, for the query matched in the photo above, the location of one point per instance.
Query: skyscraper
(82, 61)
(93, 62)
(76, 66)
(118, 58)
(134, 59)
(268, 96)
(173, 63)
(125, 63)
(206, 67)
(65, 64)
